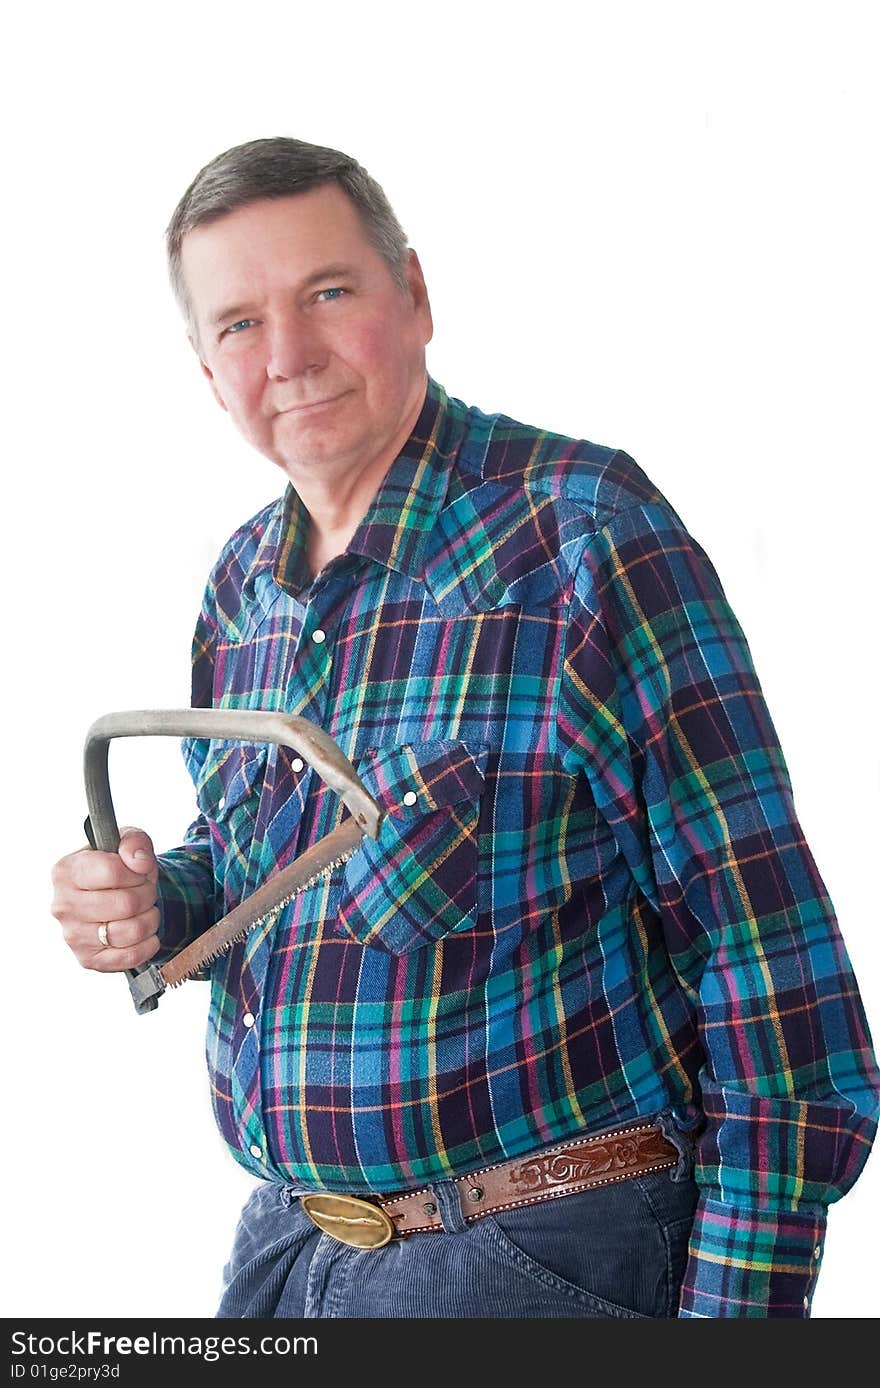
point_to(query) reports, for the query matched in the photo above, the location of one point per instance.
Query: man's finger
(91, 870)
(122, 934)
(113, 904)
(113, 960)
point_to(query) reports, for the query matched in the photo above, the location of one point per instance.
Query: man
(579, 1027)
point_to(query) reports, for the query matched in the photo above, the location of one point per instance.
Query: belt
(631, 1150)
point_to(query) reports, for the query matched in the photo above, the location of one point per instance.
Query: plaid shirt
(591, 899)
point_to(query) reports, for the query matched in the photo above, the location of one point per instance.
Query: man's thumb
(136, 850)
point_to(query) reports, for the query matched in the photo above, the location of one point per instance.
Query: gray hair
(278, 168)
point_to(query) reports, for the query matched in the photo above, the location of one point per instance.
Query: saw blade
(329, 852)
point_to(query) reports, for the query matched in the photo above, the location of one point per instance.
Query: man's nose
(294, 349)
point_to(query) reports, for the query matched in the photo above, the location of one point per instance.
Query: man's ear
(207, 372)
(419, 292)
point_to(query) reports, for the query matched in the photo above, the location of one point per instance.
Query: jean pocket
(603, 1249)
(417, 882)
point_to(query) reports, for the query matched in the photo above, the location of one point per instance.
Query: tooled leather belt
(630, 1150)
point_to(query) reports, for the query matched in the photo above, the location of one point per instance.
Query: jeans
(615, 1250)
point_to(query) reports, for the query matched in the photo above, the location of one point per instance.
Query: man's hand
(114, 893)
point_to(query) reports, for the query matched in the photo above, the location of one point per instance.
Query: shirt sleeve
(660, 706)
(188, 896)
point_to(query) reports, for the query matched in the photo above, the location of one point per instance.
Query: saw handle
(143, 980)
(235, 725)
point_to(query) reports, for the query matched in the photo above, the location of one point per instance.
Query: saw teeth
(285, 901)
(263, 920)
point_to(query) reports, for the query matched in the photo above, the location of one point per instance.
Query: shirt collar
(403, 513)
(397, 527)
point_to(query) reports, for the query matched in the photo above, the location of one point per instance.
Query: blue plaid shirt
(591, 898)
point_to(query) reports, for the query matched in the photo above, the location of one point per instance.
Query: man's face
(305, 336)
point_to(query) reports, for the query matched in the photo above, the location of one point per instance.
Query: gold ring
(103, 937)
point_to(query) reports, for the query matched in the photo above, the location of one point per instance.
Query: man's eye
(329, 295)
(237, 327)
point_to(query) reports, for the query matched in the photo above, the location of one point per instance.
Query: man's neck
(324, 544)
(336, 504)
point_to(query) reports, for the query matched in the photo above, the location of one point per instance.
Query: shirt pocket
(418, 881)
(228, 793)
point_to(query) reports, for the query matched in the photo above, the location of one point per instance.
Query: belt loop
(445, 1194)
(680, 1133)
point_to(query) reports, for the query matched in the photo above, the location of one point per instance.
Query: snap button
(248, 1019)
(318, 636)
(410, 798)
(817, 1251)
(297, 763)
(256, 1151)
(221, 802)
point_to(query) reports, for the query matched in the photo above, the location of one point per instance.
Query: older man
(579, 1028)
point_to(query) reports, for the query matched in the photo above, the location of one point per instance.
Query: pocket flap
(228, 776)
(418, 777)
(417, 883)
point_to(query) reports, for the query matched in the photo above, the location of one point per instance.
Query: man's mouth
(308, 405)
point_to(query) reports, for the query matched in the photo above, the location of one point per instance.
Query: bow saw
(148, 982)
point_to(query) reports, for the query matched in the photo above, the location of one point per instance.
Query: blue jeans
(615, 1250)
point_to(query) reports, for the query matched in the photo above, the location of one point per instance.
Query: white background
(651, 225)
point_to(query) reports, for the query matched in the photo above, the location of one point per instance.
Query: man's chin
(300, 449)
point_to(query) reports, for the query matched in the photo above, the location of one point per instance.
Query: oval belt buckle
(352, 1221)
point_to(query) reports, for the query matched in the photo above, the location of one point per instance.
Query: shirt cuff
(756, 1263)
(185, 898)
